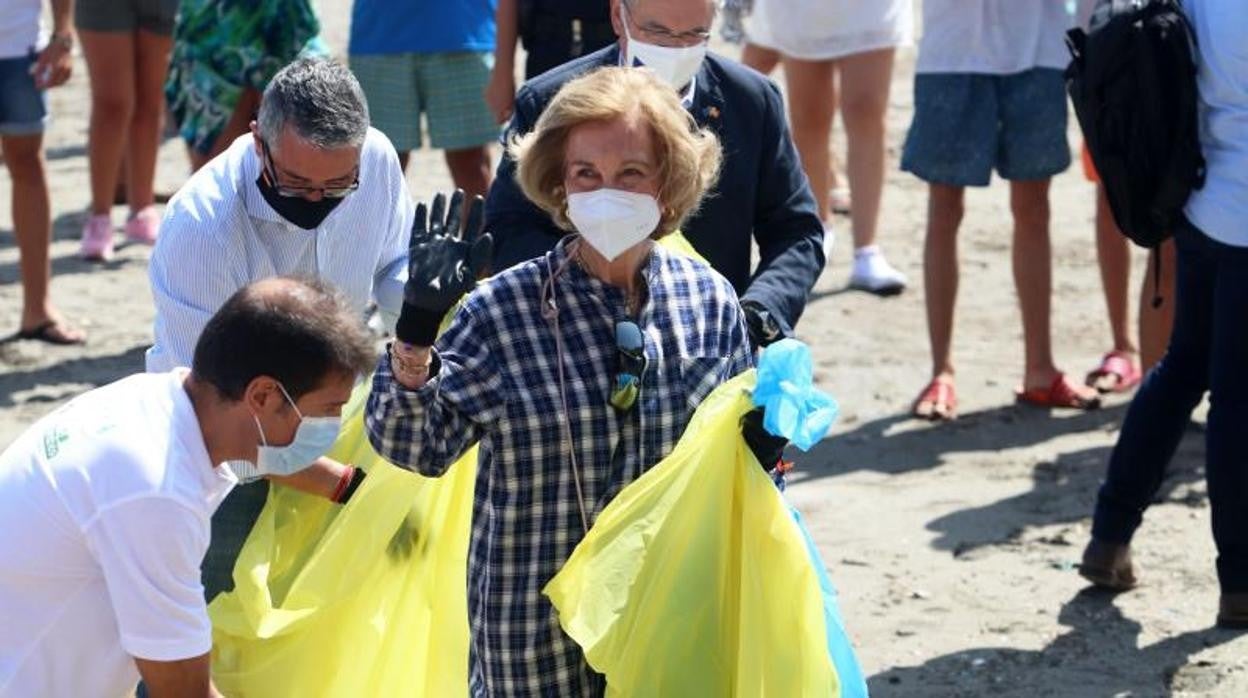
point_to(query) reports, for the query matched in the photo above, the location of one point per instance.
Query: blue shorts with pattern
(448, 88)
(967, 124)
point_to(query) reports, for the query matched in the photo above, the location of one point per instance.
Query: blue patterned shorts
(966, 124)
(448, 88)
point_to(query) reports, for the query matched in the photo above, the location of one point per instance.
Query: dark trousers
(551, 43)
(1208, 352)
(231, 524)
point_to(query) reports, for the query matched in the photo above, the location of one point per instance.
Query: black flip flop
(43, 333)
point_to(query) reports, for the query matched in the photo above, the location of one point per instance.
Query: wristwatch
(63, 38)
(763, 326)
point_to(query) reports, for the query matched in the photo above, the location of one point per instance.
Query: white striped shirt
(219, 234)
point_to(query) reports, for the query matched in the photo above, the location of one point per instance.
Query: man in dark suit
(762, 191)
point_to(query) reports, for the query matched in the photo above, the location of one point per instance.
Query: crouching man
(106, 502)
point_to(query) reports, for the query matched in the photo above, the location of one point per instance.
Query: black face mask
(296, 209)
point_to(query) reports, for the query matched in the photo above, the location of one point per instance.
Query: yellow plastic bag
(695, 580)
(677, 242)
(368, 599)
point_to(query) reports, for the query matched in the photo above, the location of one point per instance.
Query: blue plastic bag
(793, 407)
(853, 684)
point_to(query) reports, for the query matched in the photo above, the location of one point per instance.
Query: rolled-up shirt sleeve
(429, 428)
(153, 580)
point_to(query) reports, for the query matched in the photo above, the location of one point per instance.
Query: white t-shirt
(19, 27)
(105, 507)
(1220, 209)
(995, 37)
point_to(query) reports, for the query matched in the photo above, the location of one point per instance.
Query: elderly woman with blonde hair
(576, 371)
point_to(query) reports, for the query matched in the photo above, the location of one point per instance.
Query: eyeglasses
(663, 36)
(336, 192)
(630, 349)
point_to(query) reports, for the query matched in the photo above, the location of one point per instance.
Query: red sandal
(1060, 393)
(1121, 366)
(943, 399)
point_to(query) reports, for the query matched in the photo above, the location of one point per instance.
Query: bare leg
(32, 225)
(940, 273)
(1032, 261)
(1029, 201)
(839, 196)
(865, 81)
(110, 63)
(811, 100)
(151, 62)
(764, 60)
(1114, 257)
(1155, 323)
(470, 170)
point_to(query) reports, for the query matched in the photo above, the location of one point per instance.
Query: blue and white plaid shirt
(498, 383)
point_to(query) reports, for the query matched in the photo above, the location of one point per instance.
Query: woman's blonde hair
(687, 156)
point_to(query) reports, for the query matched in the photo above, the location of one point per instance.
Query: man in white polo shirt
(312, 191)
(106, 501)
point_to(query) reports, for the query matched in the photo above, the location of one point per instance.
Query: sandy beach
(953, 546)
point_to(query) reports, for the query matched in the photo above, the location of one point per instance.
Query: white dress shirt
(219, 234)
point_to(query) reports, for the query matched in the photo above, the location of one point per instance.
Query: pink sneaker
(97, 238)
(144, 226)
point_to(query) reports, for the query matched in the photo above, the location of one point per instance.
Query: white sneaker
(873, 274)
(829, 241)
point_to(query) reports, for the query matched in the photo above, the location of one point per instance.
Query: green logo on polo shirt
(52, 440)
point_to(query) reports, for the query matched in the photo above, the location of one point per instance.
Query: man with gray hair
(312, 191)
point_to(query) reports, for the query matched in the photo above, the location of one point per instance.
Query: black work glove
(767, 448)
(441, 265)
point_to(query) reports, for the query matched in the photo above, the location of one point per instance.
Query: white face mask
(675, 66)
(612, 220)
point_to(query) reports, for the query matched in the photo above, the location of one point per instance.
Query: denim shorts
(966, 124)
(23, 107)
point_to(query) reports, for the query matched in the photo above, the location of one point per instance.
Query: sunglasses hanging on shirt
(630, 365)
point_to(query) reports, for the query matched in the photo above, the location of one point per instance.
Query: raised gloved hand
(442, 265)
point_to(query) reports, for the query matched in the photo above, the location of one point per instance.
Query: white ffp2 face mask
(613, 220)
(675, 66)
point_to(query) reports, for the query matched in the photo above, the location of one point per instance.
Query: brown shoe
(1108, 565)
(1233, 611)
